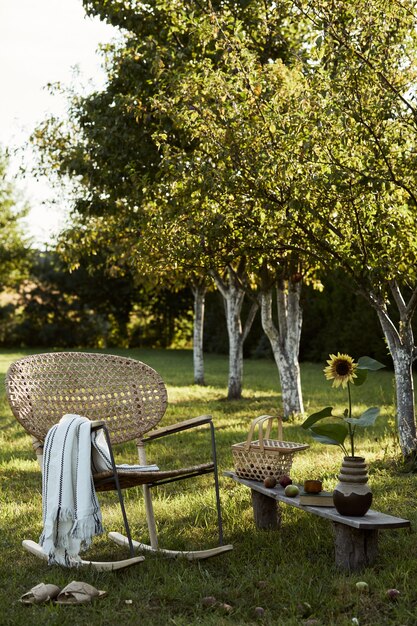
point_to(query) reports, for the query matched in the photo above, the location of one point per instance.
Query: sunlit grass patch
(276, 570)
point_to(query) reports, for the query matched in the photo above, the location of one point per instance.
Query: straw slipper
(40, 594)
(79, 593)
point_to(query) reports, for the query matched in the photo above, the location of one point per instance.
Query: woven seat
(126, 398)
(133, 479)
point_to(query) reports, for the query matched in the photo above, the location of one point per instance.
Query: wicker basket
(266, 457)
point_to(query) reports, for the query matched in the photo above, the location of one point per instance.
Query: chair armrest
(96, 424)
(175, 428)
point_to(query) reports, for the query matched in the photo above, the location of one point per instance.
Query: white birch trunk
(285, 342)
(199, 292)
(234, 302)
(404, 386)
(234, 295)
(401, 346)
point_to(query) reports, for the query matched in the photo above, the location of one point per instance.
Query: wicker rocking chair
(127, 399)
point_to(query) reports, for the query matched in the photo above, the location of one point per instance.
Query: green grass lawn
(275, 570)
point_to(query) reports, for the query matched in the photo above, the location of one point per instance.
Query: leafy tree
(57, 307)
(107, 150)
(356, 204)
(14, 245)
(227, 108)
(180, 32)
(192, 241)
(110, 149)
(325, 151)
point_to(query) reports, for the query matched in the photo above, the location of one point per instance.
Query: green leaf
(325, 440)
(361, 376)
(366, 419)
(366, 363)
(334, 433)
(315, 417)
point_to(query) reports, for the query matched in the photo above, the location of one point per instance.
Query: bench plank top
(372, 519)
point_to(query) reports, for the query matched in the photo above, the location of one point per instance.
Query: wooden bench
(356, 538)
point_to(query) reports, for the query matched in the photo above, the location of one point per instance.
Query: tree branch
(411, 306)
(398, 297)
(249, 320)
(318, 19)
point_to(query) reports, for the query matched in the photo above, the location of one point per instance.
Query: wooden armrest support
(37, 446)
(175, 428)
(96, 424)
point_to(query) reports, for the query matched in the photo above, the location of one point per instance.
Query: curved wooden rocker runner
(99, 566)
(127, 399)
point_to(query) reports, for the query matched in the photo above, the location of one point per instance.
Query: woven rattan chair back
(128, 395)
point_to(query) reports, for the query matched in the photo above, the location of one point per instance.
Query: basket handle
(259, 421)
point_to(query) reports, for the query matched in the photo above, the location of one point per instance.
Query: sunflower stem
(351, 430)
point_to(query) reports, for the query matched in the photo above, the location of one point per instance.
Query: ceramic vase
(352, 495)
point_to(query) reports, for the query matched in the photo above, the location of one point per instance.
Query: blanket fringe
(66, 559)
(64, 514)
(86, 529)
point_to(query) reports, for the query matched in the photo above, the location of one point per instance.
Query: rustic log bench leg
(354, 548)
(266, 511)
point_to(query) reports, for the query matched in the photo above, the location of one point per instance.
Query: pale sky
(41, 41)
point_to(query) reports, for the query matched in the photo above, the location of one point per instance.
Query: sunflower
(340, 369)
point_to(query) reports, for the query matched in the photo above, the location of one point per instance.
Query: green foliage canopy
(14, 246)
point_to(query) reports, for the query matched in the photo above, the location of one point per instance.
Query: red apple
(393, 594)
(284, 480)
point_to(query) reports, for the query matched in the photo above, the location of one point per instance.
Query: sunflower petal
(340, 369)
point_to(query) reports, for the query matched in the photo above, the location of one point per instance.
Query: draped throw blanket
(71, 512)
(101, 461)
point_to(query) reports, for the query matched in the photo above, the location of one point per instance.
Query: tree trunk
(233, 302)
(400, 342)
(404, 386)
(234, 296)
(285, 342)
(199, 292)
(234, 331)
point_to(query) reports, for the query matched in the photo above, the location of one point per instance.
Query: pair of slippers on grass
(74, 593)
